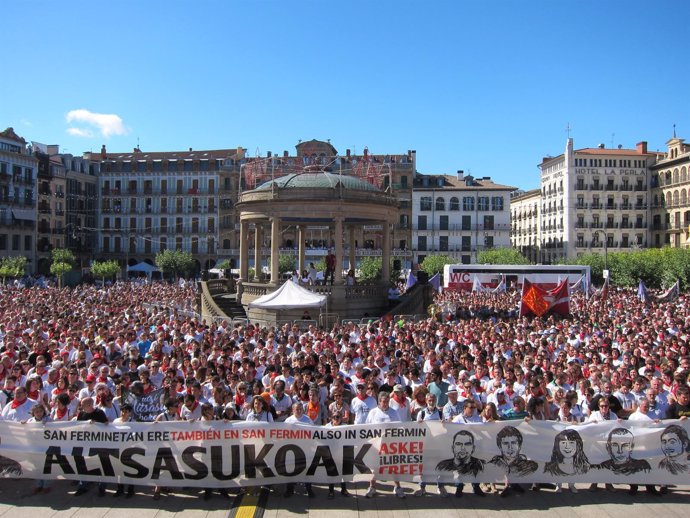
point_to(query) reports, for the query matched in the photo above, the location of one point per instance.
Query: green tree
(175, 262)
(370, 269)
(63, 255)
(501, 256)
(434, 264)
(12, 267)
(657, 267)
(105, 269)
(62, 262)
(286, 263)
(223, 265)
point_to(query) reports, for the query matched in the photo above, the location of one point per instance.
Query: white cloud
(78, 132)
(107, 124)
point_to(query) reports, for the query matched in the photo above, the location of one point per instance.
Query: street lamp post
(606, 250)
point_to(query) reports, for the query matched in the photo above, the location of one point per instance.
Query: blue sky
(484, 86)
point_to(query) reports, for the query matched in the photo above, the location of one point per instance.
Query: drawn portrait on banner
(9, 467)
(675, 445)
(568, 455)
(620, 445)
(509, 442)
(463, 462)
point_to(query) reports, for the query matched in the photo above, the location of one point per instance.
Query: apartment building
(594, 199)
(525, 207)
(151, 201)
(459, 216)
(18, 170)
(670, 207)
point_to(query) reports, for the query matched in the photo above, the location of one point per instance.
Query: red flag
(560, 299)
(539, 301)
(532, 300)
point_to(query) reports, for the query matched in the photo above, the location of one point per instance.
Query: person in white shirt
(298, 417)
(454, 407)
(643, 413)
(603, 414)
(383, 413)
(430, 412)
(280, 401)
(19, 409)
(362, 404)
(191, 410)
(400, 403)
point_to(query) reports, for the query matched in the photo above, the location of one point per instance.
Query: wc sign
(460, 280)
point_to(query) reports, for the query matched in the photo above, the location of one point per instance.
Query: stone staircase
(228, 303)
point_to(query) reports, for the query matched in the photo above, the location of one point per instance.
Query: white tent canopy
(289, 296)
(143, 267)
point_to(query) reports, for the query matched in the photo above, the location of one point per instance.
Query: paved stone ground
(18, 501)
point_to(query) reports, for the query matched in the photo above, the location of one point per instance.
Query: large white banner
(225, 454)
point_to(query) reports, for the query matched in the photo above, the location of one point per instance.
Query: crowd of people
(72, 353)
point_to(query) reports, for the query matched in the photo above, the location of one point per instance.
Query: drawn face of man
(510, 448)
(671, 445)
(567, 448)
(463, 447)
(621, 448)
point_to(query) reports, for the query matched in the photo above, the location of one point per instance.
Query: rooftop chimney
(642, 147)
(461, 173)
(285, 154)
(268, 154)
(601, 146)
(347, 153)
(104, 154)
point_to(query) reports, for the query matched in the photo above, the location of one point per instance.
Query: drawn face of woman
(671, 445)
(567, 448)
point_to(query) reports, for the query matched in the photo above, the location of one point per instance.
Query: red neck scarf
(34, 395)
(312, 411)
(60, 413)
(17, 404)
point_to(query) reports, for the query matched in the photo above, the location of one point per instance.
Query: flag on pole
(411, 280)
(670, 294)
(560, 299)
(642, 292)
(477, 286)
(532, 300)
(501, 288)
(538, 301)
(578, 286)
(435, 282)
